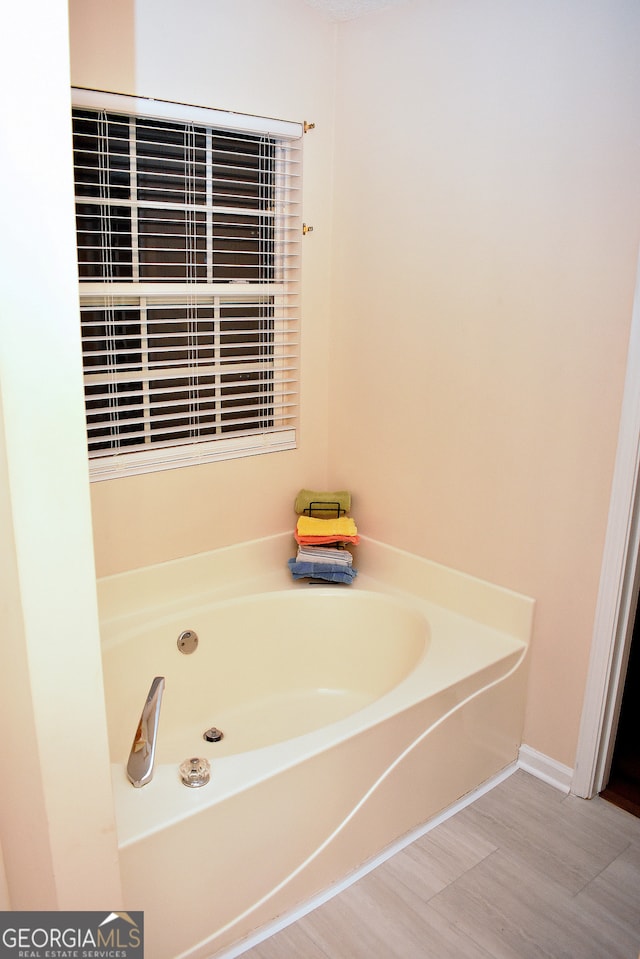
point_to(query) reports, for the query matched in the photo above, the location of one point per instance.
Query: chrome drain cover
(213, 735)
(187, 641)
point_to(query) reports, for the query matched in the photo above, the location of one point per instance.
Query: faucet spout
(143, 749)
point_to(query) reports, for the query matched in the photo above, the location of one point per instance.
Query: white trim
(298, 912)
(618, 590)
(545, 768)
(191, 454)
(166, 110)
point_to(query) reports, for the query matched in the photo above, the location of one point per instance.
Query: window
(188, 239)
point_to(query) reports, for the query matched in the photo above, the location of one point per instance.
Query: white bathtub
(268, 667)
(350, 716)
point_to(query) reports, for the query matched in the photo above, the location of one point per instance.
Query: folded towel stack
(322, 537)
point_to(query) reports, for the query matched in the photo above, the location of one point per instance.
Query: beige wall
(169, 49)
(487, 217)
(485, 171)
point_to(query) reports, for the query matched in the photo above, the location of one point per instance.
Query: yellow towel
(312, 526)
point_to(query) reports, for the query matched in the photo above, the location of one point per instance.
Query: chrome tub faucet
(143, 749)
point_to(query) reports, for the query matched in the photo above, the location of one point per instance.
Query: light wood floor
(525, 872)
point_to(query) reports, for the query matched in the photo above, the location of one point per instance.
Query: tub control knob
(195, 772)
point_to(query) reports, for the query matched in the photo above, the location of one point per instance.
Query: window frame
(280, 290)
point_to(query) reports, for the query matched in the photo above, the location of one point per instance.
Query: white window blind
(188, 234)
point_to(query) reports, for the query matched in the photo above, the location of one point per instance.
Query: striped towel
(324, 554)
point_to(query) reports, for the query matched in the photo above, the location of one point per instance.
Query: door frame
(618, 592)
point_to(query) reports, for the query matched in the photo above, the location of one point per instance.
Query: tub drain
(213, 735)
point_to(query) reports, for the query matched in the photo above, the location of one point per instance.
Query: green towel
(307, 496)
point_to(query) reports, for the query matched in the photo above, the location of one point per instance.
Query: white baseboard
(545, 768)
